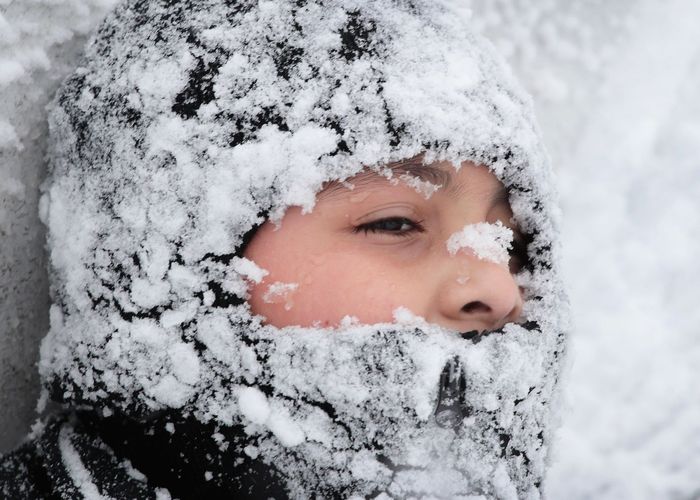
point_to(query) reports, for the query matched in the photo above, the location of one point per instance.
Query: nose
(474, 294)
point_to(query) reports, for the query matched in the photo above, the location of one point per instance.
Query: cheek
(330, 286)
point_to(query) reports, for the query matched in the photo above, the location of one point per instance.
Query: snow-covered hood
(190, 123)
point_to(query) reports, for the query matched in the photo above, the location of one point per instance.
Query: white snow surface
(630, 189)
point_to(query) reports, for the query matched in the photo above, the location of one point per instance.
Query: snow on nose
(488, 241)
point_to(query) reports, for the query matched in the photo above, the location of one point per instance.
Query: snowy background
(616, 89)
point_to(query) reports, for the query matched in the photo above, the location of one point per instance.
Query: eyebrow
(425, 173)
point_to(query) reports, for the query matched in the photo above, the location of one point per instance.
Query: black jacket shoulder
(68, 461)
(22, 475)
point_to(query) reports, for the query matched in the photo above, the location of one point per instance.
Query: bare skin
(366, 251)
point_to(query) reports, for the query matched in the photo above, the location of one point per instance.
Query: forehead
(467, 179)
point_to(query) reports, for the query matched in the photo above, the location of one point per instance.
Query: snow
(249, 269)
(43, 39)
(76, 469)
(489, 242)
(281, 293)
(185, 363)
(152, 307)
(148, 294)
(253, 405)
(425, 188)
(10, 71)
(8, 136)
(630, 243)
(132, 471)
(163, 494)
(286, 430)
(624, 142)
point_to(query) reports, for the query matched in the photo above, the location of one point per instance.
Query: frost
(489, 242)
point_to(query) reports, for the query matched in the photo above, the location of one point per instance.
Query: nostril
(475, 307)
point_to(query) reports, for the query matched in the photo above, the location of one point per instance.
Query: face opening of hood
(189, 125)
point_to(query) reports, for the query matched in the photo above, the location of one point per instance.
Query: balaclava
(190, 123)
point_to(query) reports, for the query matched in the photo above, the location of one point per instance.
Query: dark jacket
(79, 455)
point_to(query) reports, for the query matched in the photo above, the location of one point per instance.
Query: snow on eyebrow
(426, 188)
(489, 242)
(425, 179)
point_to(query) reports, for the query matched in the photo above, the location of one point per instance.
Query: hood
(189, 124)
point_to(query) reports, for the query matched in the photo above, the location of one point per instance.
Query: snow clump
(488, 241)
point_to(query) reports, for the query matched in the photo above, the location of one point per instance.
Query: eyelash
(375, 227)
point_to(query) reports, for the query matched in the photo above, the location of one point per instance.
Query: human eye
(394, 226)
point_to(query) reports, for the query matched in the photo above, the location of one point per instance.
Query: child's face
(366, 251)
